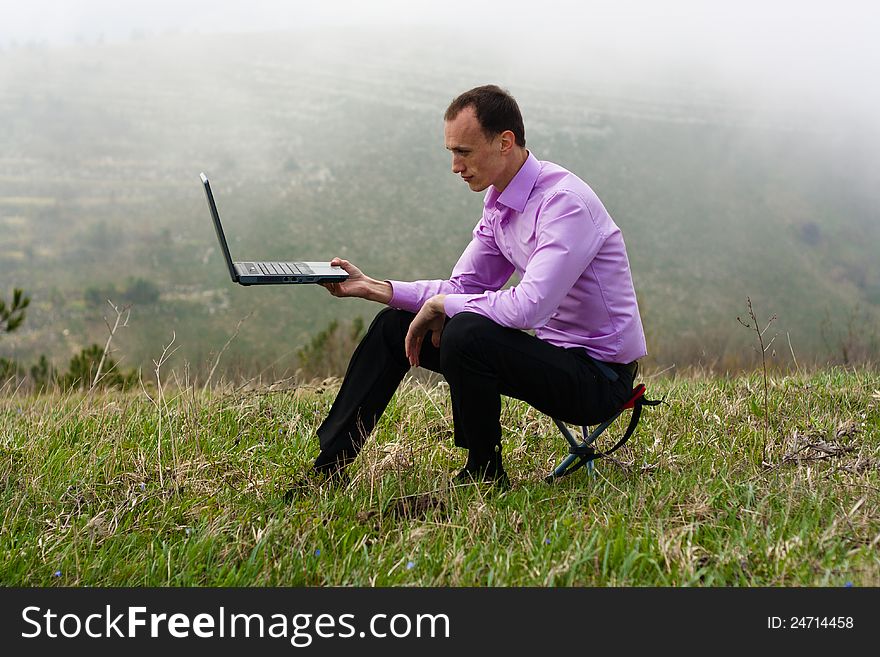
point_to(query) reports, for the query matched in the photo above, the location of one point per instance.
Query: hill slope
(318, 150)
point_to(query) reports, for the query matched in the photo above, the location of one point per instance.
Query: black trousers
(481, 361)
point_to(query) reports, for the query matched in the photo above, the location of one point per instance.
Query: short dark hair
(496, 111)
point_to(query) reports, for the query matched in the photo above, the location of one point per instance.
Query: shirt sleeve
(481, 267)
(567, 239)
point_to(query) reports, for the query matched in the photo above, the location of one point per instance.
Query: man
(575, 291)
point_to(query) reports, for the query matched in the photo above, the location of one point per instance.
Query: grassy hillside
(317, 149)
(190, 487)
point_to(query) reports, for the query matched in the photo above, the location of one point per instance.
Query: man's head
(485, 133)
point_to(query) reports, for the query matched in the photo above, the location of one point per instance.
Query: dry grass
(205, 487)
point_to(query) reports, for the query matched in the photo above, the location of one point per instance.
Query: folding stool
(581, 453)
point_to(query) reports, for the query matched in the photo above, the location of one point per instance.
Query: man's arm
(481, 267)
(568, 238)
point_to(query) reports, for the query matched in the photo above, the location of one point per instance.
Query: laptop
(270, 273)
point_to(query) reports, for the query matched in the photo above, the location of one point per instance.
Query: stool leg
(588, 439)
(566, 433)
(561, 469)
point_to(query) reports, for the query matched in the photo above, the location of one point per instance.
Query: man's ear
(508, 141)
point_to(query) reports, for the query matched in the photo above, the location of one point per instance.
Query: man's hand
(358, 284)
(431, 317)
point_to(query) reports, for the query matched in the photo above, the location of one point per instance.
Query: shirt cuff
(404, 296)
(454, 303)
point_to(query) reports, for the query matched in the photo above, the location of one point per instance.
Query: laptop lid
(216, 217)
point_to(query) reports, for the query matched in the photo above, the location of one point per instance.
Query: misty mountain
(331, 143)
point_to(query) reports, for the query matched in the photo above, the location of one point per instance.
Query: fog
(738, 147)
(807, 66)
(808, 54)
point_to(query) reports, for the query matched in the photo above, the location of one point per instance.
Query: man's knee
(389, 323)
(462, 334)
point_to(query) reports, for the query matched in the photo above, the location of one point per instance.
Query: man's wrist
(438, 303)
(381, 291)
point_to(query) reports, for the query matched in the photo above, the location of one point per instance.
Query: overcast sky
(803, 27)
(830, 49)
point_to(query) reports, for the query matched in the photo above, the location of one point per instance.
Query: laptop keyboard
(284, 268)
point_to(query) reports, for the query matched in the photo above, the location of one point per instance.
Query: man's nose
(457, 165)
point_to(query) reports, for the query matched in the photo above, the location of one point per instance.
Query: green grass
(203, 488)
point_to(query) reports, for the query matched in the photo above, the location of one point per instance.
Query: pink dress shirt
(575, 286)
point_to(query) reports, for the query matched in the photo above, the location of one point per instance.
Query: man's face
(474, 157)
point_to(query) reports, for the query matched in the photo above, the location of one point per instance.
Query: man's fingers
(407, 345)
(416, 348)
(412, 345)
(435, 338)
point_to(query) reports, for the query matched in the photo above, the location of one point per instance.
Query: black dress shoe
(314, 480)
(334, 463)
(482, 474)
(483, 465)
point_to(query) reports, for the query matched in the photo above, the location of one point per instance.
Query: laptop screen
(216, 217)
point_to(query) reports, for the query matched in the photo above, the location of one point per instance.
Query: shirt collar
(516, 194)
